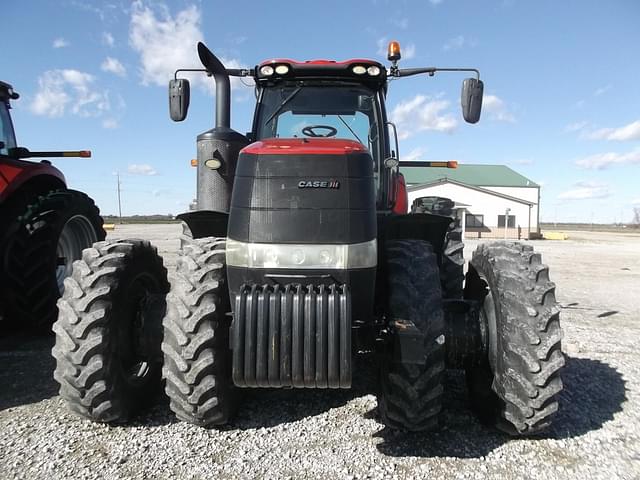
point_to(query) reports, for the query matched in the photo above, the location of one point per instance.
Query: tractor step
(292, 336)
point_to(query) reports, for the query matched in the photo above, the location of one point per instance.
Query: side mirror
(471, 98)
(178, 99)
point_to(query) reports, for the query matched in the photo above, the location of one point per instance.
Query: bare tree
(636, 217)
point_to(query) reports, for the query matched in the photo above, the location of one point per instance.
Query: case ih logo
(318, 184)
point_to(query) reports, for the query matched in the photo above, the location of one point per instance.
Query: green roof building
(493, 200)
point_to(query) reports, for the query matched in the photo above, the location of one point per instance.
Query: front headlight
(302, 256)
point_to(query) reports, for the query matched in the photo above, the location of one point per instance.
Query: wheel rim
(488, 316)
(76, 235)
(136, 359)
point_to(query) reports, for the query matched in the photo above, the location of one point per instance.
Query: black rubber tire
(197, 358)
(516, 387)
(30, 259)
(410, 396)
(109, 326)
(452, 268)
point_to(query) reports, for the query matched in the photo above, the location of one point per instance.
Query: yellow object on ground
(555, 235)
(109, 226)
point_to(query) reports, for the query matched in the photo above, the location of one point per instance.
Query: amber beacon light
(393, 51)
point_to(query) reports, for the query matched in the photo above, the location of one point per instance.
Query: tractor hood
(305, 191)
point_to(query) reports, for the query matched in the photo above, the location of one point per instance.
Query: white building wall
(526, 193)
(480, 203)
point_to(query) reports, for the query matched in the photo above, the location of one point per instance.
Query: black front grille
(292, 336)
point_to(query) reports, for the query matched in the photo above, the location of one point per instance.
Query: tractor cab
(323, 103)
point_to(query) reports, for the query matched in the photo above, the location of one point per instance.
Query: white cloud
(401, 23)
(576, 126)
(107, 39)
(422, 113)
(60, 43)
(601, 90)
(114, 66)
(415, 154)
(141, 169)
(635, 201)
(626, 132)
(585, 190)
(166, 43)
(61, 91)
(497, 109)
(601, 161)
(435, 2)
(110, 123)
(455, 43)
(409, 51)
(382, 44)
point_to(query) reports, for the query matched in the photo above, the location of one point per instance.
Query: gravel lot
(328, 434)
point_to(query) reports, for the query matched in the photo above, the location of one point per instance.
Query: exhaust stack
(223, 85)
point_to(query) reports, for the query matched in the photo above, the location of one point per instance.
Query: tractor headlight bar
(269, 70)
(266, 70)
(372, 70)
(302, 256)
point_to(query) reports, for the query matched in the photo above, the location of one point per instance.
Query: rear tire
(197, 358)
(410, 397)
(108, 332)
(516, 387)
(45, 240)
(452, 270)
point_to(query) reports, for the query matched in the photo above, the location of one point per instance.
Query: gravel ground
(328, 434)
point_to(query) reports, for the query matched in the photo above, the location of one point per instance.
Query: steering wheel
(309, 131)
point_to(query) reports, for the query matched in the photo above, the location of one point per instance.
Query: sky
(561, 105)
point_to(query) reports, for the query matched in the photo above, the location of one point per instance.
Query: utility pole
(119, 204)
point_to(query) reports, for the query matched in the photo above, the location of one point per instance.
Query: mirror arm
(407, 72)
(232, 72)
(175, 74)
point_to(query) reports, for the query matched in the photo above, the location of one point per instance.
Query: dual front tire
(515, 386)
(122, 329)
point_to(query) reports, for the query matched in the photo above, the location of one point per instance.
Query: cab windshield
(311, 111)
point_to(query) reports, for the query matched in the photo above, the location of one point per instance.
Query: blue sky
(562, 104)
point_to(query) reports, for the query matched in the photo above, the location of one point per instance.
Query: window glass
(332, 110)
(474, 221)
(7, 137)
(511, 221)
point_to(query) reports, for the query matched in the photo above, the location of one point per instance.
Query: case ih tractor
(44, 226)
(302, 255)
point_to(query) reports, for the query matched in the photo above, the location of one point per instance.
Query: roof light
(393, 52)
(359, 70)
(373, 70)
(266, 70)
(282, 69)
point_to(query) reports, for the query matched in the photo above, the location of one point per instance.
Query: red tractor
(300, 256)
(44, 226)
